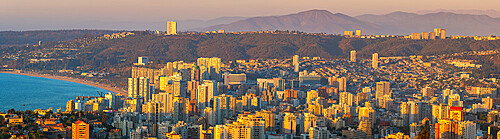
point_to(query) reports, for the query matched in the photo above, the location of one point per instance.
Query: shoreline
(63, 78)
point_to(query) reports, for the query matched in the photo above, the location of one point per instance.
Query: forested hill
(115, 54)
(33, 37)
(251, 46)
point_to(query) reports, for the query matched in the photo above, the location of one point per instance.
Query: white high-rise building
(202, 96)
(342, 84)
(318, 133)
(375, 61)
(467, 130)
(353, 56)
(296, 63)
(171, 28)
(139, 87)
(383, 88)
(220, 132)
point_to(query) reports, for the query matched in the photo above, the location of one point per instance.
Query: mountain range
(396, 23)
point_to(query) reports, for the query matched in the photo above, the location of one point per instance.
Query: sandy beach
(102, 86)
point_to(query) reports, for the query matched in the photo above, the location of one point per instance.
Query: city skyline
(57, 14)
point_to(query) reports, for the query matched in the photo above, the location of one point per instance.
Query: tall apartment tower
(171, 28)
(441, 33)
(382, 89)
(353, 56)
(139, 87)
(80, 130)
(342, 84)
(425, 35)
(348, 33)
(296, 63)
(375, 61)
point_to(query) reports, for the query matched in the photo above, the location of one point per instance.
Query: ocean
(30, 93)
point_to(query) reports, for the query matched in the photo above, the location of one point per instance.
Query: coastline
(63, 78)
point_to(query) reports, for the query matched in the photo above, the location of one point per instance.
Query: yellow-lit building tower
(358, 33)
(375, 61)
(269, 118)
(238, 130)
(80, 130)
(443, 34)
(296, 63)
(348, 33)
(70, 106)
(171, 28)
(342, 84)
(289, 123)
(256, 124)
(353, 56)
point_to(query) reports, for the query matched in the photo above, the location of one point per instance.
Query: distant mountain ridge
(491, 12)
(399, 23)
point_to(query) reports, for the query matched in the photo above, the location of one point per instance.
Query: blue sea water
(30, 93)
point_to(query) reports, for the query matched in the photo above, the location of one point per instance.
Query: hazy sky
(151, 14)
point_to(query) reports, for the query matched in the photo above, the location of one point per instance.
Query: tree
(11, 111)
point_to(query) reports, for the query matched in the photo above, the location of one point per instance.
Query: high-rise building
(269, 118)
(311, 96)
(70, 105)
(238, 130)
(383, 88)
(289, 123)
(432, 35)
(332, 81)
(427, 92)
(171, 28)
(456, 113)
(425, 35)
(296, 63)
(440, 33)
(152, 73)
(446, 129)
(318, 133)
(80, 130)
(414, 109)
(309, 121)
(348, 33)
(358, 33)
(416, 36)
(353, 56)
(347, 98)
(342, 84)
(139, 87)
(209, 68)
(256, 125)
(467, 130)
(366, 127)
(405, 112)
(220, 132)
(367, 113)
(213, 62)
(375, 61)
(221, 108)
(279, 84)
(202, 96)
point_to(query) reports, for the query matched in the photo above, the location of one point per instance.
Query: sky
(19, 15)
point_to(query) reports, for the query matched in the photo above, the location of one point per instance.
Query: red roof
(456, 108)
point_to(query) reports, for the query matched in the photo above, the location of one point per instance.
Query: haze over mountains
(398, 23)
